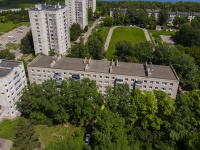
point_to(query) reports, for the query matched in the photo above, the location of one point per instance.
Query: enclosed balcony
(76, 77)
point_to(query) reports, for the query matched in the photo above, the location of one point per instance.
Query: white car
(87, 139)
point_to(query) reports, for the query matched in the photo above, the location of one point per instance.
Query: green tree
(79, 50)
(108, 21)
(179, 20)
(25, 137)
(109, 132)
(6, 54)
(95, 47)
(163, 17)
(27, 46)
(90, 15)
(143, 52)
(124, 51)
(75, 31)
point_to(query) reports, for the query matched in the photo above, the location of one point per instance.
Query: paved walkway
(86, 35)
(112, 29)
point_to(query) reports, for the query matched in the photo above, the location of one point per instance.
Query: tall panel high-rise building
(78, 12)
(91, 4)
(50, 29)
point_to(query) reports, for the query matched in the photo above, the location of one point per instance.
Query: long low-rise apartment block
(12, 81)
(146, 77)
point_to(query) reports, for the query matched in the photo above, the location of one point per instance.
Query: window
(156, 88)
(145, 81)
(100, 82)
(36, 19)
(94, 76)
(43, 71)
(106, 77)
(164, 83)
(113, 78)
(6, 85)
(171, 84)
(132, 80)
(163, 88)
(82, 75)
(33, 74)
(170, 89)
(106, 82)
(36, 15)
(38, 70)
(126, 79)
(151, 82)
(144, 86)
(157, 82)
(100, 76)
(169, 94)
(150, 87)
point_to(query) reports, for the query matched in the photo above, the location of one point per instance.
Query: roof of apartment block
(185, 13)
(6, 66)
(47, 7)
(103, 66)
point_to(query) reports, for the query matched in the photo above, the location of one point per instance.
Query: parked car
(87, 139)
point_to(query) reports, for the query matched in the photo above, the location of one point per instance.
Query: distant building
(105, 73)
(12, 81)
(50, 29)
(118, 10)
(91, 4)
(190, 15)
(153, 11)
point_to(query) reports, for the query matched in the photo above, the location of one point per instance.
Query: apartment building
(91, 4)
(153, 11)
(117, 10)
(71, 11)
(105, 73)
(78, 12)
(190, 15)
(50, 29)
(12, 81)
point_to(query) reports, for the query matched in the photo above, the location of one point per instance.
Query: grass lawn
(90, 23)
(134, 35)
(156, 34)
(48, 134)
(8, 26)
(12, 46)
(104, 32)
(7, 129)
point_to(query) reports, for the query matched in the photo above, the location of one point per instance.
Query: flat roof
(6, 66)
(103, 66)
(47, 7)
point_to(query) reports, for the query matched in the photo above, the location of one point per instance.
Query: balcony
(76, 77)
(119, 80)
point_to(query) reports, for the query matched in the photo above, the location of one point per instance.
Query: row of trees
(104, 7)
(94, 48)
(120, 119)
(6, 54)
(15, 16)
(163, 54)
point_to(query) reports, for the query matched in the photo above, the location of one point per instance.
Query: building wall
(10, 91)
(81, 13)
(50, 30)
(39, 31)
(71, 11)
(39, 75)
(91, 4)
